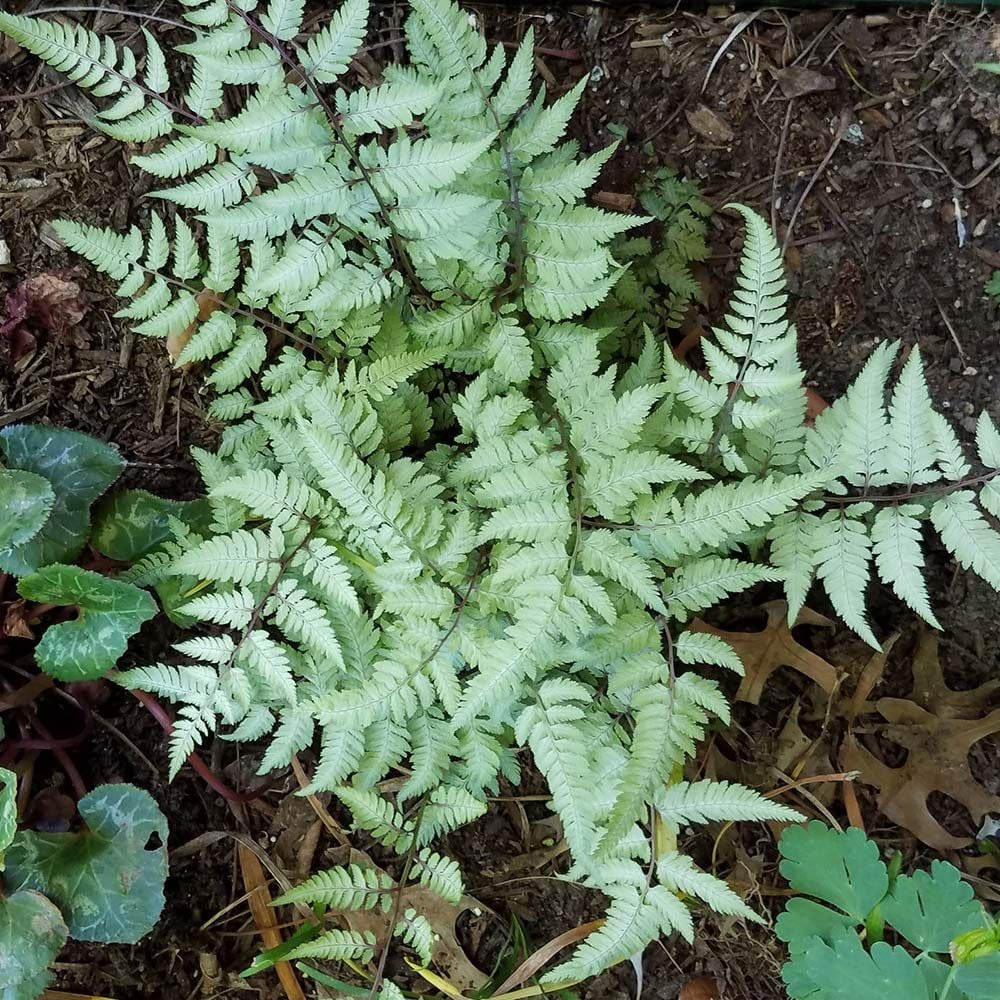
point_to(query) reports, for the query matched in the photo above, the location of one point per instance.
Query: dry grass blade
(732, 36)
(322, 813)
(265, 919)
(542, 956)
(60, 995)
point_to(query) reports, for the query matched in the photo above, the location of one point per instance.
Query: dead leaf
(50, 302)
(763, 652)
(798, 81)
(870, 676)
(616, 201)
(208, 302)
(449, 957)
(815, 405)
(15, 620)
(937, 761)
(801, 756)
(932, 693)
(539, 958)
(702, 988)
(709, 125)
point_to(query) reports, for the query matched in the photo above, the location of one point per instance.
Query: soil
(884, 180)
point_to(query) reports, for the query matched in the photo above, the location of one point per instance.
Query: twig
(982, 175)
(397, 905)
(777, 166)
(842, 126)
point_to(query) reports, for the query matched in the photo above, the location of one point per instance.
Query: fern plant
(449, 521)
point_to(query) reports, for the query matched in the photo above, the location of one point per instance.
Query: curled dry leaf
(50, 302)
(763, 652)
(710, 125)
(937, 761)
(615, 201)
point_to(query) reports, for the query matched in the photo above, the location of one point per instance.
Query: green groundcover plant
(50, 481)
(103, 882)
(949, 947)
(454, 513)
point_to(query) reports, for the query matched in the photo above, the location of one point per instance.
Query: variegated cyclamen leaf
(8, 809)
(26, 500)
(131, 523)
(79, 469)
(110, 613)
(107, 879)
(32, 933)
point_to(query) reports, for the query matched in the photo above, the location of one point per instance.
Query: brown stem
(162, 716)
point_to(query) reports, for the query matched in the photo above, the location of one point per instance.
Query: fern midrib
(416, 287)
(507, 164)
(940, 489)
(98, 64)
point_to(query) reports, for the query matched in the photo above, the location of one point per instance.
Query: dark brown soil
(872, 170)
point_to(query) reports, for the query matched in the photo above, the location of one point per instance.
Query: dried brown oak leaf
(932, 693)
(937, 761)
(763, 652)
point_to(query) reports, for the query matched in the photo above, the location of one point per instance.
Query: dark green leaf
(129, 524)
(980, 978)
(79, 468)
(845, 971)
(111, 612)
(929, 909)
(31, 934)
(843, 869)
(26, 501)
(105, 880)
(8, 810)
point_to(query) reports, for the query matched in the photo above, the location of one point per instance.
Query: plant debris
(775, 646)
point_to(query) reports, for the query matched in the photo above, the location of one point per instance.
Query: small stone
(927, 203)
(955, 365)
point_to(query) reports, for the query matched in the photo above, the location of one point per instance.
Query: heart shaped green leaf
(843, 869)
(8, 810)
(931, 908)
(105, 880)
(31, 934)
(79, 469)
(131, 523)
(26, 500)
(111, 612)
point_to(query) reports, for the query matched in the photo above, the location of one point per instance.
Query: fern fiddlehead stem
(394, 235)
